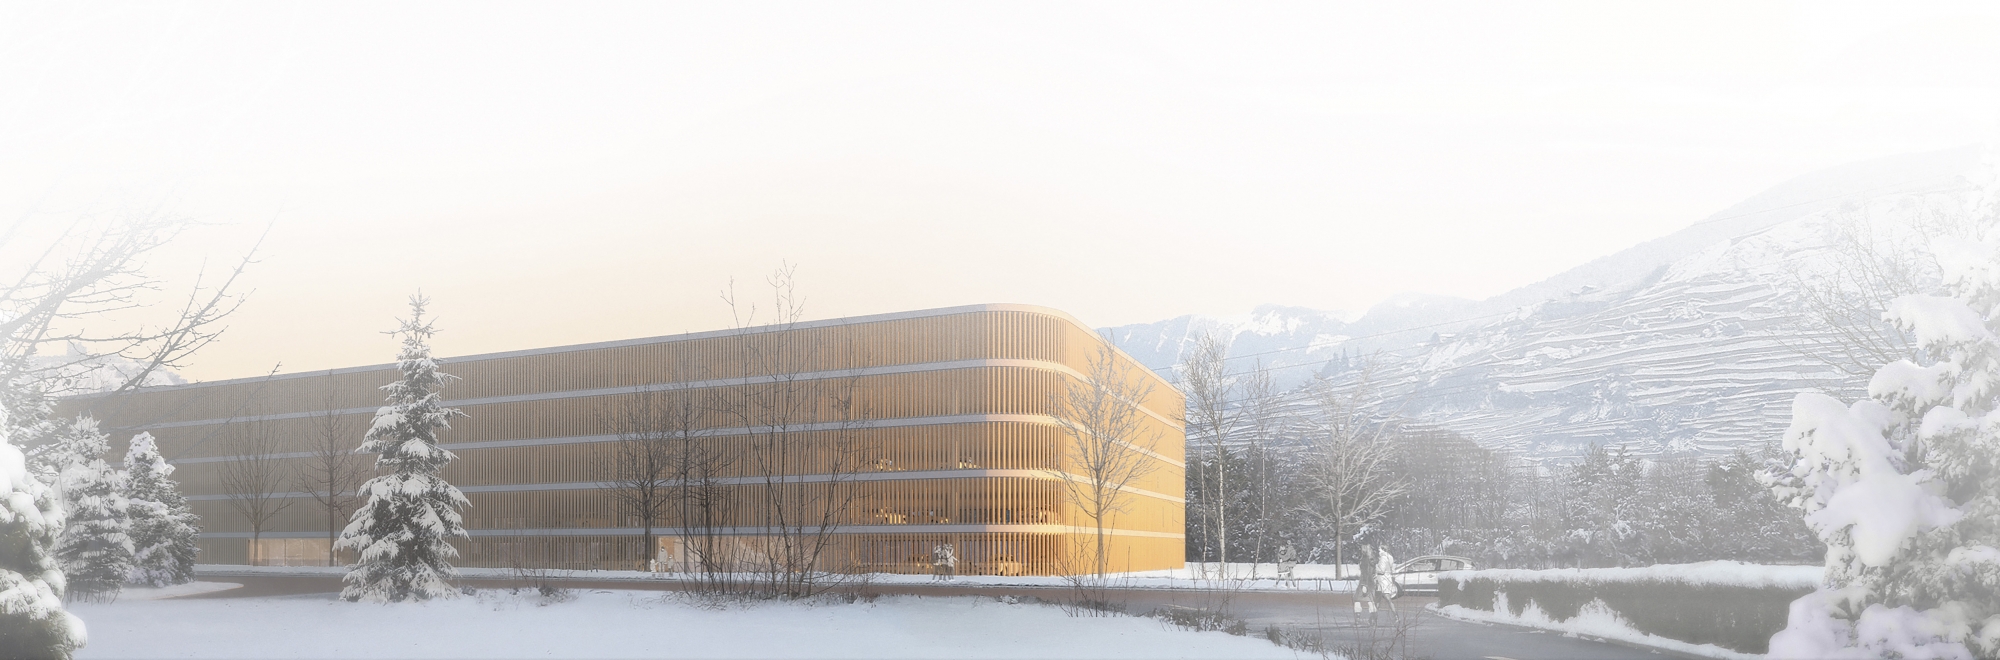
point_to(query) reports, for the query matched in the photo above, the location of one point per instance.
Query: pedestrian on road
(1386, 588)
(1364, 588)
(1287, 560)
(944, 561)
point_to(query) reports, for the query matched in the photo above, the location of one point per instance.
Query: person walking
(944, 561)
(1386, 588)
(1287, 560)
(1364, 587)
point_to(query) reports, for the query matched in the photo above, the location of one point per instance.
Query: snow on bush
(1595, 619)
(1904, 486)
(96, 548)
(403, 532)
(164, 529)
(32, 620)
(1708, 573)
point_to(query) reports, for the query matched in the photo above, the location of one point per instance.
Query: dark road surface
(1423, 634)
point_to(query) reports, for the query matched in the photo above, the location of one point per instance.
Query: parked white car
(1419, 576)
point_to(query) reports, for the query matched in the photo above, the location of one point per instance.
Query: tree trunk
(1102, 552)
(332, 533)
(650, 549)
(1221, 512)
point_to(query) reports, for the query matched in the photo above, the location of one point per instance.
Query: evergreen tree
(403, 532)
(1602, 511)
(164, 529)
(1904, 486)
(29, 414)
(1749, 523)
(33, 623)
(96, 546)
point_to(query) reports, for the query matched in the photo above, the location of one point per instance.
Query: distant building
(932, 426)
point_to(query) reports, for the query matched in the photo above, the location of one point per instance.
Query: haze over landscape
(1695, 342)
(1348, 331)
(601, 173)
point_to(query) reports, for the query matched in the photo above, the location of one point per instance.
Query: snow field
(1307, 577)
(627, 624)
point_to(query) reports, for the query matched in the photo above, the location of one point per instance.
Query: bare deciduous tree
(703, 498)
(1108, 443)
(1868, 260)
(1263, 420)
(55, 277)
(93, 267)
(1353, 463)
(800, 424)
(1205, 383)
(251, 478)
(333, 469)
(644, 471)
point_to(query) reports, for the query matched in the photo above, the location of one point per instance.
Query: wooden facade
(942, 420)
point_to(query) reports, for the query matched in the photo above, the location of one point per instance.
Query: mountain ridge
(1674, 345)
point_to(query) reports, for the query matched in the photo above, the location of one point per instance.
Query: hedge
(1740, 611)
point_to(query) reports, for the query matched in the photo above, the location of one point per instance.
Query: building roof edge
(686, 336)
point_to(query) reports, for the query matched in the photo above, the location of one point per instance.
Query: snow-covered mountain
(1689, 343)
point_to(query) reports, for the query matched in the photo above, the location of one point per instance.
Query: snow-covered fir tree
(164, 529)
(1904, 486)
(403, 532)
(32, 426)
(33, 623)
(96, 546)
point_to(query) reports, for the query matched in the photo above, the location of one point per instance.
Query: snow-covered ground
(174, 591)
(1305, 577)
(1598, 620)
(1712, 573)
(1595, 620)
(630, 624)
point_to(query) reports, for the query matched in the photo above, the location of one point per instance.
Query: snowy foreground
(632, 624)
(1197, 575)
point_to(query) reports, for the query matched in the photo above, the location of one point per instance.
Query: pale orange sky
(555, 173)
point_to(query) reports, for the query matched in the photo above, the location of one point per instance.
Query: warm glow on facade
(948, 440)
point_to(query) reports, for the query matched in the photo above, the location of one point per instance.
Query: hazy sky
(561, 173)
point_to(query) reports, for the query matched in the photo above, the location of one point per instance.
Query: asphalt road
(1410, 632)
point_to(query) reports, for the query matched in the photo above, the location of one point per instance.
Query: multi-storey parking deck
(925, 428)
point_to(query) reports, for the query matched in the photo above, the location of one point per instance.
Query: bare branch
(1109, 445)
(333, 468)
(1353, 462)
(252, 476)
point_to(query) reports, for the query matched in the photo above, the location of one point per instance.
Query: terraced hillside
(1693, 343)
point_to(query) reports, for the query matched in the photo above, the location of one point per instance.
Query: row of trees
(1269, 472)
(1899, 490)
(120, 526)
(68, 511)
(797, 431)
(791, 426)
(400, 524)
